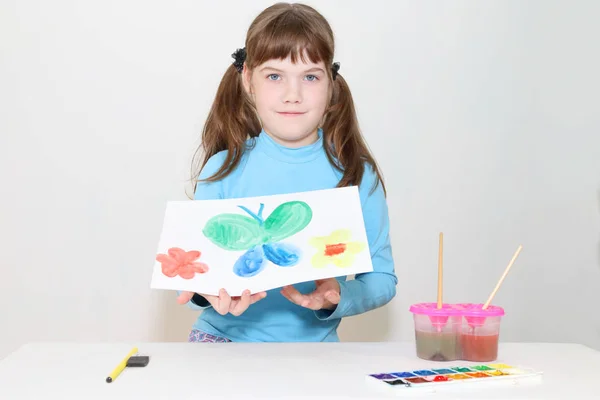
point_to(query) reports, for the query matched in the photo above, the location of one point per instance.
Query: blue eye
(270, 76)
(311, 78)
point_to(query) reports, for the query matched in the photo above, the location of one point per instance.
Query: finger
(257, 297)
(290, 293)
(224, 302)
(296, 297)
(314, 302)
(238, 307)
(284, 294)
(322, 287)
(333, 297)
(184, 297)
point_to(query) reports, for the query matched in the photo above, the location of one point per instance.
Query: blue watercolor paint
(258, 217)
(282, 254)
(250, 263)
(445, 371)
(403, 374)
(424, 372)
(384, 376)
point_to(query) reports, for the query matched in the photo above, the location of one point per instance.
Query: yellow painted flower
(336, 249)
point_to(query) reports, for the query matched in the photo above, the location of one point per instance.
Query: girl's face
(290, 99)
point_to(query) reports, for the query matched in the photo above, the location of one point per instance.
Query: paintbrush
(510, 264)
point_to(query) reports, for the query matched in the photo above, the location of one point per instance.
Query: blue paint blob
(424, 372)
(250, 263)
(403, 374)
(282, 254)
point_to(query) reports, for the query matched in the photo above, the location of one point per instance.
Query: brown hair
(283, 30)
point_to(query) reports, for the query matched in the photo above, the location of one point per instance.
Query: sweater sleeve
(207, 191)
(374, 289)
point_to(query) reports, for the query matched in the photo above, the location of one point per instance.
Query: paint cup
(480, 332)
(437, 331)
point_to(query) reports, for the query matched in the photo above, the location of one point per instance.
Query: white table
(181, 371)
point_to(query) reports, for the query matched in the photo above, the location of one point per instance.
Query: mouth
(290, 113)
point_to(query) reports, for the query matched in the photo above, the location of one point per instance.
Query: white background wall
(483, 114)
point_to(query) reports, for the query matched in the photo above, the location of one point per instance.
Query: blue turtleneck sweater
(267, 168)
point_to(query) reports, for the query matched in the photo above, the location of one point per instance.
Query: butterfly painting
(261, 239)
(261, 243)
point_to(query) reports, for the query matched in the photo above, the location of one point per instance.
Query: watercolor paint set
(441, 378)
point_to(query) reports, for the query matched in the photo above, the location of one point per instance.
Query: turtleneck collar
(296, 155)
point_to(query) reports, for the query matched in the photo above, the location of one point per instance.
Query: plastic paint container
(457, 331)
(480, 332)
(437, 331)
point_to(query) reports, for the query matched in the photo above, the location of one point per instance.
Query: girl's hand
(223, 303)
(325, 297)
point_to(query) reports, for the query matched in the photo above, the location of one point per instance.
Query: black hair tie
(239, 57)
(334, 69)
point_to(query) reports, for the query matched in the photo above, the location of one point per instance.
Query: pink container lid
(476, 310)
(432, 310)
(461, 309)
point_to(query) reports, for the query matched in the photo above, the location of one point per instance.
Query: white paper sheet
(206, 245)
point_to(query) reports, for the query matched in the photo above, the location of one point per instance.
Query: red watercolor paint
(335, 249)
(180, 262)
(440, 378)
(479, 348)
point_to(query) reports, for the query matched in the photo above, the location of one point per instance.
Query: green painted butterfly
(260, 238)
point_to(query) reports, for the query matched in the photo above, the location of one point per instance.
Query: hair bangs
(290, 36)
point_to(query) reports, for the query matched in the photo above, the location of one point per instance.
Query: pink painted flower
(182, 263)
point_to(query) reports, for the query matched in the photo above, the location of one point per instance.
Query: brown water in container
(438, 346)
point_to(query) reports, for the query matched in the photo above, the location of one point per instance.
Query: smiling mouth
(290, 113)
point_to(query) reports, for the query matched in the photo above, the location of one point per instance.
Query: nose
(292, 92)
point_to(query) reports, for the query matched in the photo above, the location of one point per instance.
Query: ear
(246, 78)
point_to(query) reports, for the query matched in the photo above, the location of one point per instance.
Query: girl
(283, 121)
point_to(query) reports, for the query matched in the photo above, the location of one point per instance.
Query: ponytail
(344, 144)
(230, 120)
